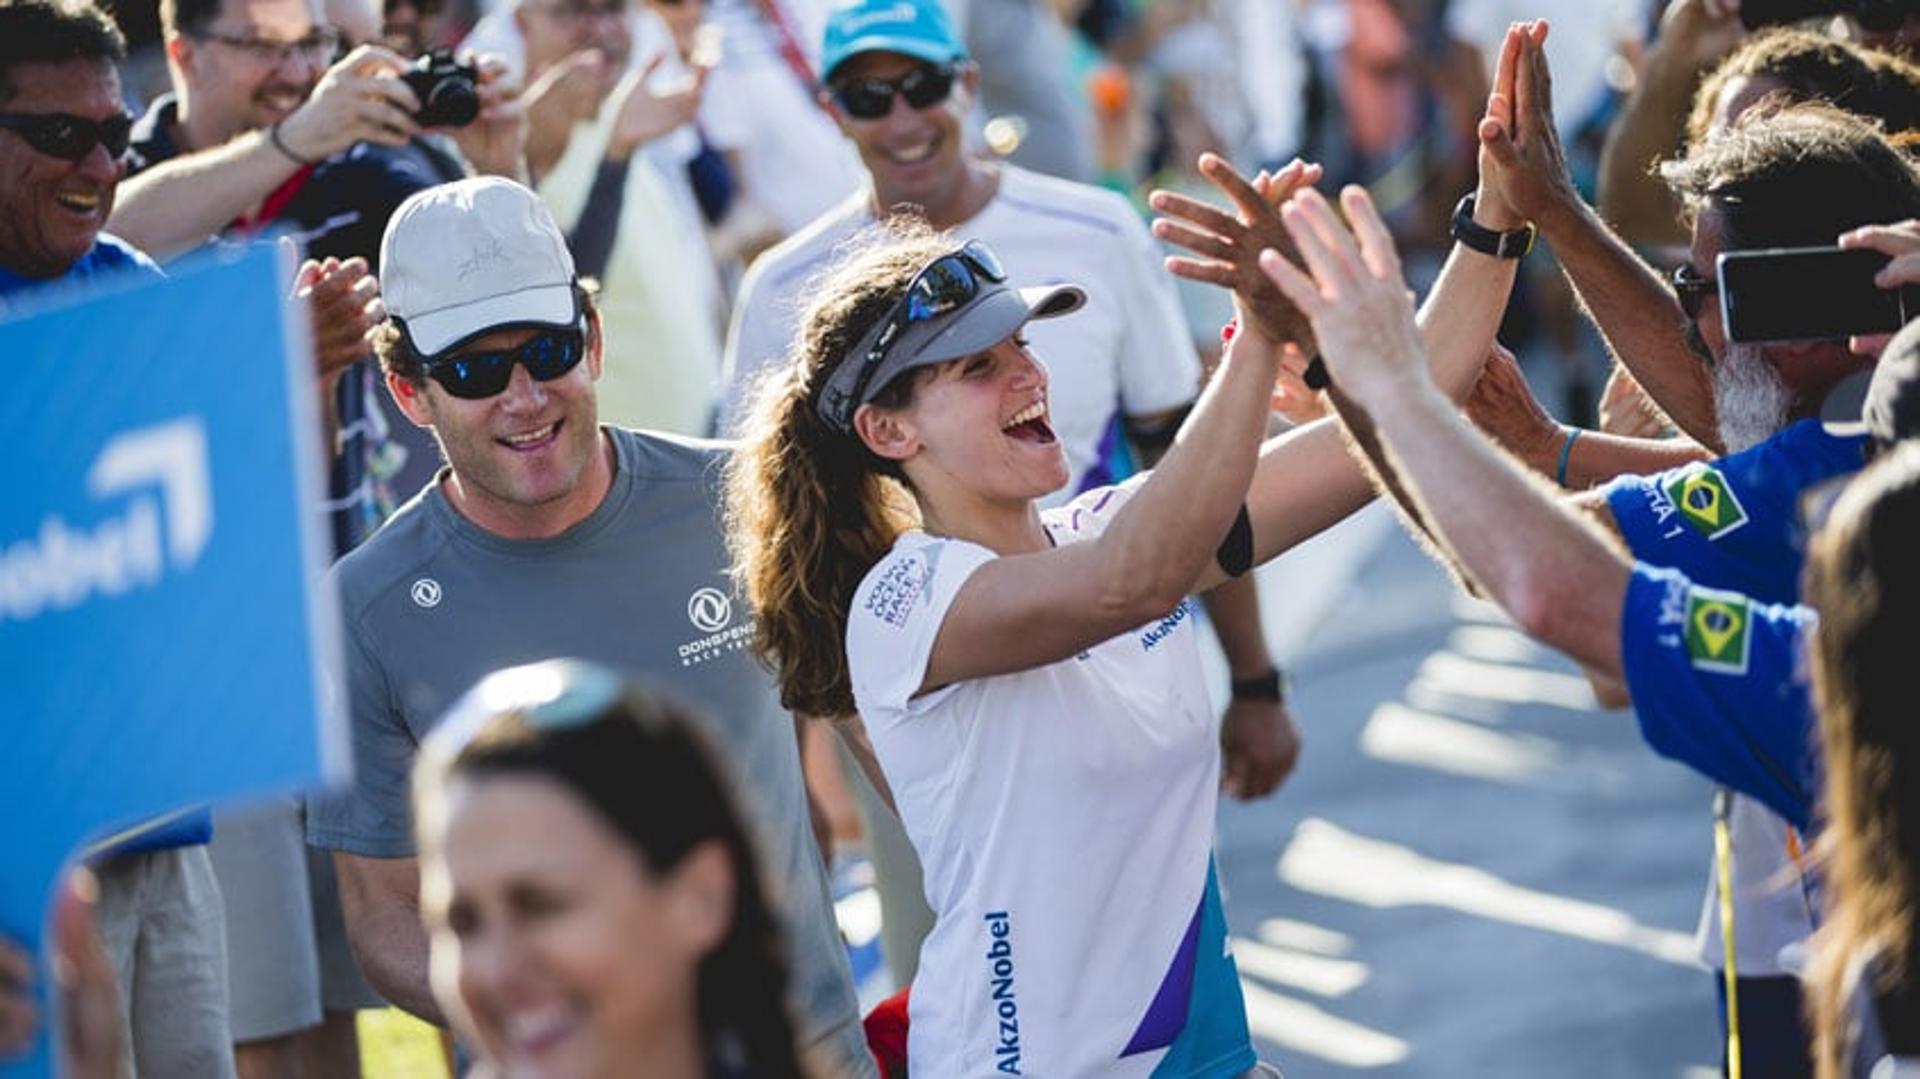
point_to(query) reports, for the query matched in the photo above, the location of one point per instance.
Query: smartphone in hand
(1809, 293)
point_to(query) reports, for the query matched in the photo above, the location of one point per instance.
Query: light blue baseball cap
(916, 28)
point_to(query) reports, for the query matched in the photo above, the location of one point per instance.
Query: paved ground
(1473, 873)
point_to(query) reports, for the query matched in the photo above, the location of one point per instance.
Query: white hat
(475, 255)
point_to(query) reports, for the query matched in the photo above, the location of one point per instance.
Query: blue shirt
(1735, 523)
(1713, 665)
(1718, 684)
(108, 257)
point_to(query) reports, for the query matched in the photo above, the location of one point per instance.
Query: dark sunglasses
(942, 286)
(870, 99)
(69, 137)
(1693, 289)
(477, 375)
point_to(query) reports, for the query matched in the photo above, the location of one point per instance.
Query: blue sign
(163, 634)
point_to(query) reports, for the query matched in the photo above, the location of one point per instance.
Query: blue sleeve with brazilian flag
(1717, 680)
(1735, 523)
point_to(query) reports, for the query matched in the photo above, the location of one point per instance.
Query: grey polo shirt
(432, 602)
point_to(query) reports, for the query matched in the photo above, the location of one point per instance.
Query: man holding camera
(260, 128)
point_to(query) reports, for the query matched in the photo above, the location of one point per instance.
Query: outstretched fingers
(1172, 204)
(1377, 249)
(1296, 286)
(1323, 241)
(1199, 241)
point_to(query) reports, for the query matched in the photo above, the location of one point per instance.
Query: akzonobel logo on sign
(62, 565)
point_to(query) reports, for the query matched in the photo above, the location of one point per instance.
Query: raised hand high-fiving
(1228, 245)
(1352, 292)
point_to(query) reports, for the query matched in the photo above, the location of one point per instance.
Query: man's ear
(412, 399)
(886, 432)
(179, 51)
(596, 338)
(970, 82)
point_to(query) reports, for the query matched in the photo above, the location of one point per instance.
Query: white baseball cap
(475, 255)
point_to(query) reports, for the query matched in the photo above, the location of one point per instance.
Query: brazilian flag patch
(1706, 503)
(1718, 630)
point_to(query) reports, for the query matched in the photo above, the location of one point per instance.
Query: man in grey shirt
(547, 535)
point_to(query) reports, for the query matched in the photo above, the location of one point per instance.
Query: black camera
(448, 90)
(1880, 16)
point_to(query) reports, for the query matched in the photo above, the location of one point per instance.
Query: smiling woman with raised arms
(1030, 679)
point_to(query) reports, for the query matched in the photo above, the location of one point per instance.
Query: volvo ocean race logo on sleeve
(710, 611)
(892, 595)
(1006, 1013)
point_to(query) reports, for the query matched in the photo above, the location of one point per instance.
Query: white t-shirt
(1773, 905)
(793, 160)
(1127, 351)
(1064, 818)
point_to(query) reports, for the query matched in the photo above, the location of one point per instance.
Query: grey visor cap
(988, 319)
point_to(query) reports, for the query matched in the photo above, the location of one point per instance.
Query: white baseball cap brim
(536, 305)
(469, 257)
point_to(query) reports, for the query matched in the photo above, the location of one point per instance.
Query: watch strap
(1501, 245)
(1270, 686)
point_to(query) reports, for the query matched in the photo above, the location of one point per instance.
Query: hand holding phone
(1808, 294)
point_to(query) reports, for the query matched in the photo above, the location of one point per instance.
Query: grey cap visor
(987, 320)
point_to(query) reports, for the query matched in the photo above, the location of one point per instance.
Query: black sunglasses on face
(475, 376)
(1693, 289)
(945, 284)
(69, 137)
(870, 99)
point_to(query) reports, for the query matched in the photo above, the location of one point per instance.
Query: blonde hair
(810, 509)
(1864, 580)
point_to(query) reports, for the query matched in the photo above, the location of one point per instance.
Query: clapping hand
(344, 299)
(642, 114)
(1521, 160)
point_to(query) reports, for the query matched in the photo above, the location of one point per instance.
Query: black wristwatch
(1501, 245)
(1271, 686)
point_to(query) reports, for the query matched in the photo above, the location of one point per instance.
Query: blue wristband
(1566, 450)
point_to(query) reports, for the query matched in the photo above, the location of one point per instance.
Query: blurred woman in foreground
(591, 898)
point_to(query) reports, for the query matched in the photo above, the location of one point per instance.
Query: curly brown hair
(810, 509)
(1862, 80)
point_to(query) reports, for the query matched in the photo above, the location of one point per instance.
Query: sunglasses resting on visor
(944, 285)
(870, 99)
(69, 137)
(547, 355)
